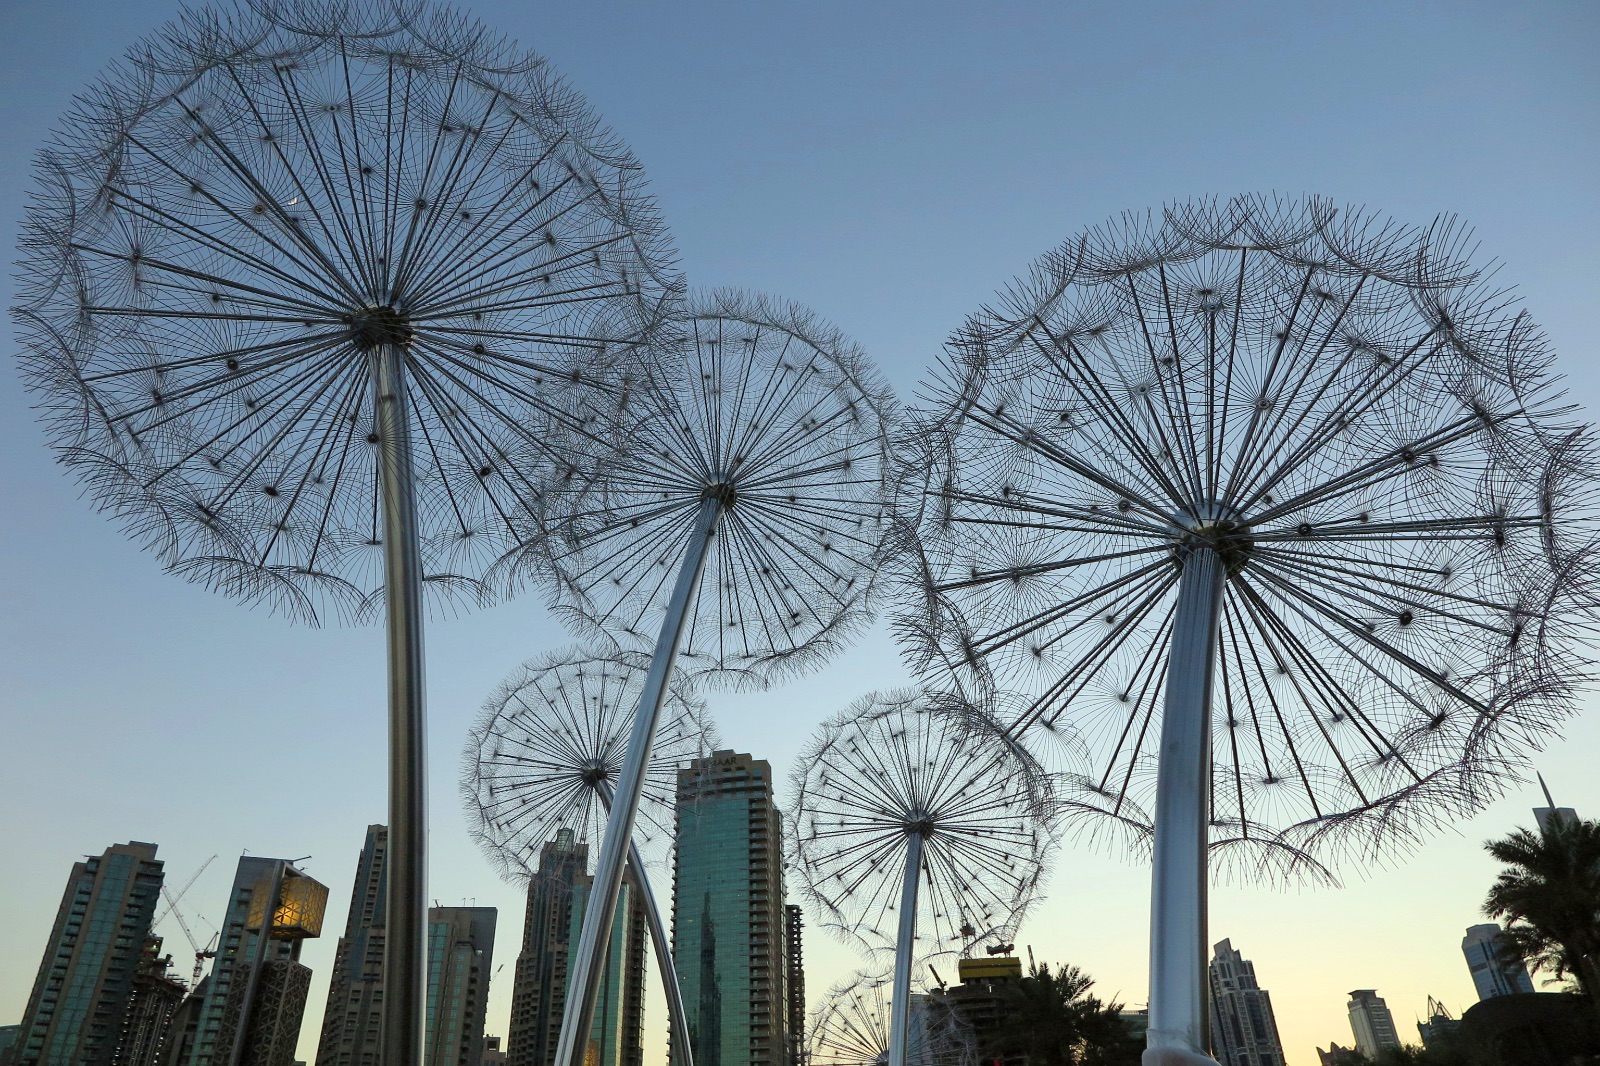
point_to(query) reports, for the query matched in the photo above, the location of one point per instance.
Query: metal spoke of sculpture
(310, 292)
(915, 824)
(755, 473)
(545, 757)
(1304, 460)
(851, 1028)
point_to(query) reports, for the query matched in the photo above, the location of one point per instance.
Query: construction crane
(200, 954)
(172, 899)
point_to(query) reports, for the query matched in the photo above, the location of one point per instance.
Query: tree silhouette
(1052, 1020)
(1549, 896)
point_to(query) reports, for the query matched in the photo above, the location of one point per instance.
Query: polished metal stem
(677, 1020)
(588, 960)
(900, 1005)
(1178, 979)
(405, 962)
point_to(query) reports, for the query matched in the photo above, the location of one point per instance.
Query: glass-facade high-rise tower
(540, 992)
(1244, 1031)
(256, 995)
(460, 960)
(460, 952)
(80, 998)
(1371, 1023)
(1492, 974)
(557, 893)
(352, 1020)
(728, 934)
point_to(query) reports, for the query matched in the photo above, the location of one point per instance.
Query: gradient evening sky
(891, 165)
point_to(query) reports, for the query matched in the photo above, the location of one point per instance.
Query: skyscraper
(557, 894)
(727, 912)
(540, 992)
(1371, 1022)
(616, 1036)
(460, 960)
(352, 1019)
(86, 978)
(178, 1047)
(156, 998)
(795, 981)
(1492, 974)
(1551, 815)
(256, 996)
(980, 1000)
(1243, 1029)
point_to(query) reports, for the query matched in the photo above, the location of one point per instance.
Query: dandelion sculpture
(851, 1028)
(545, 757)
(914, 815)
(755, 471)
(1305, 459)
(307, 294)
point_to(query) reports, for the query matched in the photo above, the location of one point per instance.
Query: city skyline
(136, 704)
(365, 905)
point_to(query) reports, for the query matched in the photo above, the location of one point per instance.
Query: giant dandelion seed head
(761, 405)
(851, 1027)
(900, 764)
(1358, 422)
(553, 738)
(255, 201)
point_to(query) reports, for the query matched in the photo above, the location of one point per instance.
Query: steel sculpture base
(1174, 1056)
(588, 961)
(405, 961)
(1179, 1018)
(900, 1005)
(677, 1020)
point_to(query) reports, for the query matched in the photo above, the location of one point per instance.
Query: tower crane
(172, 898)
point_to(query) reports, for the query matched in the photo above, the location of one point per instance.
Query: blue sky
(891, 165)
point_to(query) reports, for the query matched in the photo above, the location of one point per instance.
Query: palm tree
(1052, 1020)
(1549, 896)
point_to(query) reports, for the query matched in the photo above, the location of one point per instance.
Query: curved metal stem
(405, 962)
(900, 1005)
(588, 961)
(1178, 980)
(677, 1020)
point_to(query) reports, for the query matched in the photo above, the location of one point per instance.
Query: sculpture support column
(405, 962)
(900, 1006)
(677, 1020)
(588, 960)
(1179, 1017)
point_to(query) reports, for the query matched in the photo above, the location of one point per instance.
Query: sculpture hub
(1216, 526)
(372, 327)
(724, 492)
